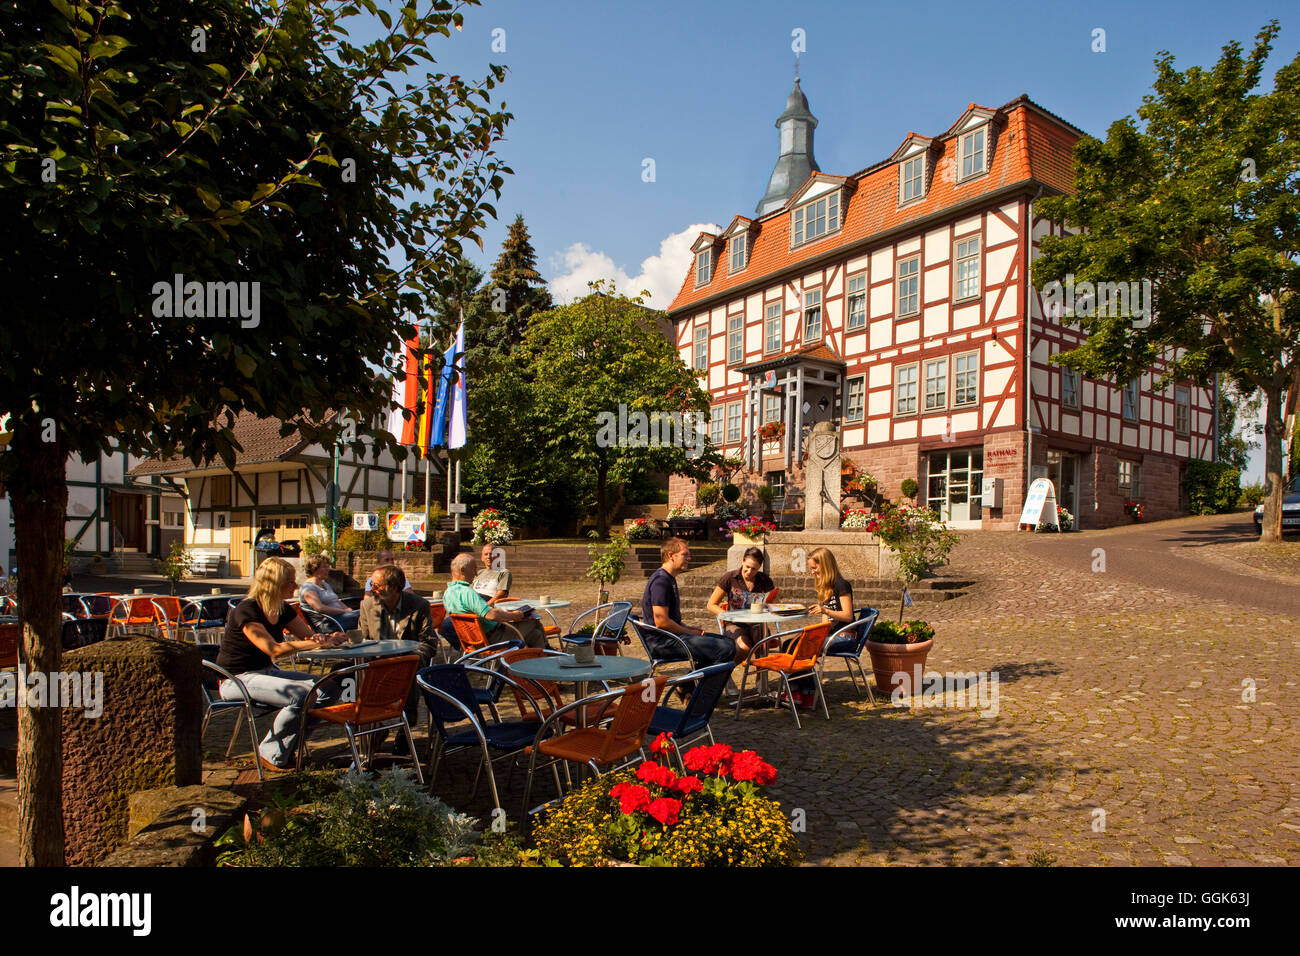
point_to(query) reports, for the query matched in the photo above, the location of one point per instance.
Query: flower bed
(491, 527)
(751, 527)
(856, 519)
(642, 529)
(716, 815)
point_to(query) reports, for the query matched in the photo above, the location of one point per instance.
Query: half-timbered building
(895, 302)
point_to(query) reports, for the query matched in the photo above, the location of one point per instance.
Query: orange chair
(474, 643)
(599, 747)
(438, 612)
(546, 691)
(167, 616)
(380, 704)
(11, 643)
(131, 612)
(801, 661)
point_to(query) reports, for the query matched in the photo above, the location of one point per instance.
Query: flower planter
(744, 540)
(890, 659)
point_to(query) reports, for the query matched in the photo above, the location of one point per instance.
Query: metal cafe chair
(212, 676)
(849, 642)
(609, 620)
(803, 660)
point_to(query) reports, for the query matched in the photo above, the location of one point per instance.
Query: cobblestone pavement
(1146, 714)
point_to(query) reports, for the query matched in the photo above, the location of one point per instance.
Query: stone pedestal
(858, 553)
(146, 736)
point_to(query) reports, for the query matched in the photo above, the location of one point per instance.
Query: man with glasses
(661, 606)
(391, 613)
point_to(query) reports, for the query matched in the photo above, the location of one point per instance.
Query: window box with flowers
(748, 531)
(1134, 510)
(713, 814)
(772, 431)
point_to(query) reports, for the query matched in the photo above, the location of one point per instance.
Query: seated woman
(251, 644)
(735, 591)
(319, 596)
(834, 601)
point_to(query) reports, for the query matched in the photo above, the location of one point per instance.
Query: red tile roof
(1032, 145)
(260, 438)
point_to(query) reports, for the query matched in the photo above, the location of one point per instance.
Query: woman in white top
(319, 596)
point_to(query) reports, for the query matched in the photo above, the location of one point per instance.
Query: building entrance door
(241, 543)
(1063, 472)
(953, 480)
(127, 515)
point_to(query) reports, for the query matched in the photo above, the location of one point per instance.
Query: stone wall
(1004, 457)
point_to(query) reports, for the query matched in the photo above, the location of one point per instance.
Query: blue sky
(599, 87)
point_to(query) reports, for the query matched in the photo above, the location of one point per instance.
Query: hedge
(1212, 487)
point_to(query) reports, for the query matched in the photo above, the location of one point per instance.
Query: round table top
(515, 604)
(363, 651)
(761, 617)
(606, 667)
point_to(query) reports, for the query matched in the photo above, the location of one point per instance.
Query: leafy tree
(590, 357)
(222, 141)
(1202, 202)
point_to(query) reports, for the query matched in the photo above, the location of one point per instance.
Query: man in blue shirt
(661, 606)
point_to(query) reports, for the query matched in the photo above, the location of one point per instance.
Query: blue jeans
(285, 689)
(347, 621)
(705, 648)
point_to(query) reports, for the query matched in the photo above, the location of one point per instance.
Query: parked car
(1290, 508)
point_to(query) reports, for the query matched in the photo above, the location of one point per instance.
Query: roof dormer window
(817, 218)
(972, 152)
(911, 179)
(703, 267)
(739, 252)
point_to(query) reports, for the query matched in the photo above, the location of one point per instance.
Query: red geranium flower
(657, 774)
(687, 785)
(665, 810)
(663, 744)
(631, 797)
(713, 759)
(750, 766)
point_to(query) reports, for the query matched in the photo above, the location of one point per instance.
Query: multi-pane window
(905, 390)
(716, 413)
(936, 384)
(972, 153)
(1182, 410)
(817, 218)
(965, 379)
(738, 252)
(703, 266)
(855, 399)
(776, 480)
(735, 339)
(772, 327)
(701, 363)
(172, 519)
(812, 315)
(733, 422)
(1130, 479)
(857, 302)
(771, 408)
(911, 184)
(968, 268)
(1128, 408)
(909, 286)
(296, 523)
(1069, 388)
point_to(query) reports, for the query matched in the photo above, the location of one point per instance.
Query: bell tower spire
(795, 162)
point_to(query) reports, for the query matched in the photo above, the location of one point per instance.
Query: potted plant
(855, 519)
(899, 648)
(707, 495)
(175, 566)
(766, 495)
(1134, 510)
(491, 527)
(772, 431)
(607, 563)
(749, 531)
(908, 488)
(642, 529)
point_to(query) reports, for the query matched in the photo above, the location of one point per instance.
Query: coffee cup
(214, 590)
(435, 596)
(585, 653)
(544, 600)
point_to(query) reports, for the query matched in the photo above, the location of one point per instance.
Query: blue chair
(609, 622)
(848, 644)
(451, 700)
(204, 614)
(486, 658)
(672, 649)
(212, 676)
(83, 631)
(691, 723)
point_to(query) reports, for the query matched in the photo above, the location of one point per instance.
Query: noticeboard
(1040, 505)
(406, 526)
(365, 521)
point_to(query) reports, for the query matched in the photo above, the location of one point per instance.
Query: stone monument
(821, 509)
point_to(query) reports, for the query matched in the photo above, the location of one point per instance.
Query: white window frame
(970, 261)
(736, 339)
(812, 304)
(777, 480)
(899, 370)
(911, 177)
(703, 267)
(1130, 397)
(936, 401)
(738, 244)
(771, 407)
(824, 209)
(964, 146)
(1183, 411)
(915, 279)
(855, 403)
(739, 419)
(717, 422)
(773, 314)
(856, 311)
(974, 372)
(1132, 487)
(1071, 376)
(700, 347)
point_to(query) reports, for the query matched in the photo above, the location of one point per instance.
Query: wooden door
(127, 515)
(241, 543)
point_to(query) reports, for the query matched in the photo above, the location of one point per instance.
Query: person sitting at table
(492, 584)
(251, 644)
(661, 606)
(834, 601)
(461, 598)
(383, 558)
(389, 612)
(319, 596)
(735, 591)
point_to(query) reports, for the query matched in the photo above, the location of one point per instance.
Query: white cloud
(661, 274)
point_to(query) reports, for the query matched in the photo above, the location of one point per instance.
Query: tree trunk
(39, 494)
(602, 488)
(1271, 526)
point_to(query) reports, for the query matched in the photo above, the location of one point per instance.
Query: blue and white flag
(459, 397)
(907, 598)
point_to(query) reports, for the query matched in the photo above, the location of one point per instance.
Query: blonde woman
(253, 641)
(834, 602)
(319, 596)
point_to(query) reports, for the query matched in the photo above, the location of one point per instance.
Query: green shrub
(707, 495)
(908, 488)
(1212, 488)
(350, 540)
(1252, 495)
(731, 492)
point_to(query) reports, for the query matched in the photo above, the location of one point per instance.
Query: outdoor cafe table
(365, 651)
(514, 605)
(762, 618)
(559, 667)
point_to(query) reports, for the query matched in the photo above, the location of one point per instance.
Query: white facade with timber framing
(279, 483)
(896, 304)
